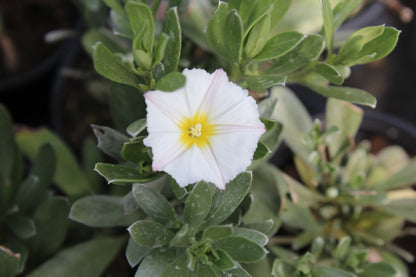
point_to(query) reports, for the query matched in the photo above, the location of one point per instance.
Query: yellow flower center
(196, 130)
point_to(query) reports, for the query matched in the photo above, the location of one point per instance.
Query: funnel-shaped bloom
(207, 130)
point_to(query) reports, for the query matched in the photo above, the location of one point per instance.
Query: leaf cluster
(347, 190)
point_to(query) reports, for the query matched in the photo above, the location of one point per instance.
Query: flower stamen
(195, 131)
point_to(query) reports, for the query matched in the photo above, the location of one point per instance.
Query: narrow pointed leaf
(353, 95)
(328, 24)
(173, 47)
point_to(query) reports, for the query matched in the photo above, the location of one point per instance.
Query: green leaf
(120, 22)
(109, 140)
(328, 24)
(216, 31)
(342, 248)
(342, 10)
(126, 105)
(381, 46)
(217, 232)
(404, 177)
(347, 118)
(179, 192)
(118, 173)
(308, 49)
(233, 34)
(226, 201)
(197, 206)
(353, 95)
(92, 36)
(324, 271)
(142, 59)
(22, 227)
(142, 25)
(160, 48)
(257, 37)
(136, 152)
(135, 252)
(173, 47)
(171, 82)
(349, 52)
(261, 151)
(402, 207)
(7, 145)
(279, 10)
(330, 73)
(99, 253)
(90, 156)
(156, 206)
(301, 217)
(155, 262)
(295, 124)
(224, 261)
(279, 45)
(181, 238)
(51, 221)
(150, 234)
(380, 269)
(256, 236)
(238, 271)
(135, 128)
(265, 81)
(241, 249)
(203, 270)
(115, 5)
(33, 188)
(101, 211)
(177, 268)
(9, 262)
(111, 67)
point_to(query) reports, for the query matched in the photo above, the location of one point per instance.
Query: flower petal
(222, 95)
(166, 148)
(194, 165)
(234, 151)
(244, 114)
(173, 105)
(197, 84)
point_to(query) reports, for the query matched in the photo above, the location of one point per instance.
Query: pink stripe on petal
(215, 167)
(173, 115)
(167, 158)
(219, 79)
(226, 129)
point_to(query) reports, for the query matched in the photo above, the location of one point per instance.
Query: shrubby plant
(189, 148)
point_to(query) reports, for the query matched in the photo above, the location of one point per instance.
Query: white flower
(207, 130)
